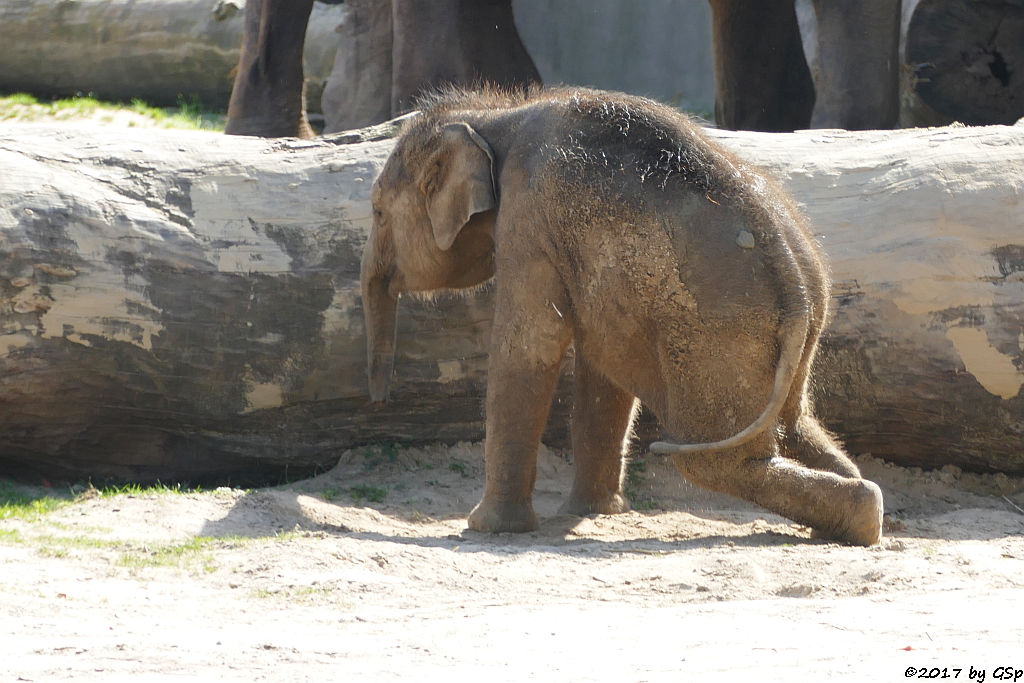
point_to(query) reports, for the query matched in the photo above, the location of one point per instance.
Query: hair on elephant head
(683, 277)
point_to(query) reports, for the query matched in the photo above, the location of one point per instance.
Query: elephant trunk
(380, 310)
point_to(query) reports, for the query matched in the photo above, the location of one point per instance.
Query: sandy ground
(369, 571)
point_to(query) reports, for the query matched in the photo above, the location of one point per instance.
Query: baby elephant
(682, 276)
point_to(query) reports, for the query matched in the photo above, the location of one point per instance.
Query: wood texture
(185, 306)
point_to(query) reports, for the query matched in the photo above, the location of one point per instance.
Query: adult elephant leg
(267, 98)
(761, 77)
(846, 509)
(528, 341)
(358, 91)
(462, 42)
(857, 74)
(601, 420)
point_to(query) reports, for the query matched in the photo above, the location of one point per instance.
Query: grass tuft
(23, 502)
(188, 553)
(636, 471)
(374, 494)
(159, 489)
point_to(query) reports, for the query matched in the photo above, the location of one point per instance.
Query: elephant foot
(582, 506)
(862, 523)
(499, 517)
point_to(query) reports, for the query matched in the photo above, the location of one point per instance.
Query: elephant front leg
(602, 417)
(528, 342)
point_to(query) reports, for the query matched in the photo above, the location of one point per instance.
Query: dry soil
(369, 571)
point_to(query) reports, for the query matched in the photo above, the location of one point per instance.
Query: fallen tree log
(185, 306)
(155, 50)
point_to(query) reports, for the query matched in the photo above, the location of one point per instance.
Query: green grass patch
(189, 114)
(294, 593)
(32, 502)
(10, 536)
(78, 542)
(157, 489)
(380, 454)
(373, 494)
(193, 552)
(459, 468)
(61, 546)
(24, 502)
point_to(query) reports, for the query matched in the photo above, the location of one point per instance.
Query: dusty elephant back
(687, 221)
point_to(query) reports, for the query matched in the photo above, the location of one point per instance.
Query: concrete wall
(657, 48)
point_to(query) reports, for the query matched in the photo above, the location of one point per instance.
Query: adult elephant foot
(494, 517)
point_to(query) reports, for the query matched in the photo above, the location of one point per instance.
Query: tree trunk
(155, 50)
(185, 306)
(965, 60)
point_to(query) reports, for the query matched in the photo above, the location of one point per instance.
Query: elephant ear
(460, 182)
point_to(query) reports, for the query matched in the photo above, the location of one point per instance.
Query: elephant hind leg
(846, 509)
(806, 440)
(809, 443)
(602, 418)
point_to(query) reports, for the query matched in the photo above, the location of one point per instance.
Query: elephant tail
(793, 337)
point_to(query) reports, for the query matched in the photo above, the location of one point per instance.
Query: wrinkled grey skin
(389, 53)
(392, 52)
(762, 81)
(762, 77)
(856, 78)
(267, 98)
(682, 277)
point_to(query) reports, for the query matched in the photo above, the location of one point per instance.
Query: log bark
(155, 50)
(185, 306)
(964, 60)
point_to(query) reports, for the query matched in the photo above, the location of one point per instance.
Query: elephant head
(433, 229)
